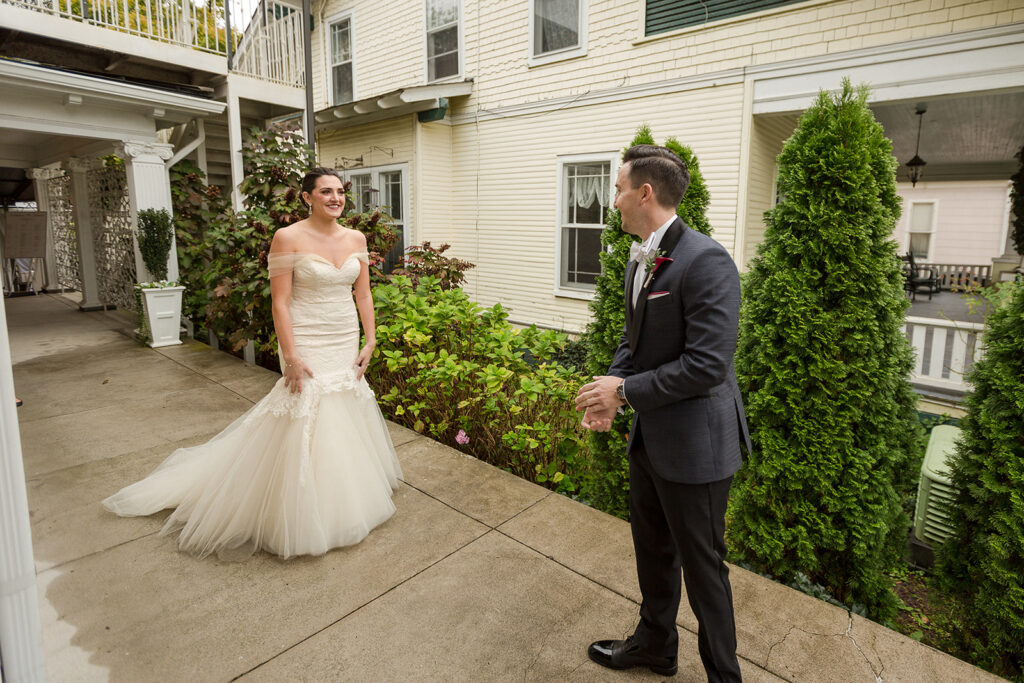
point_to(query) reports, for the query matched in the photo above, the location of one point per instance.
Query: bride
(311, 466)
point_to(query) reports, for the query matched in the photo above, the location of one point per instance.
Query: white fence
(945, 352)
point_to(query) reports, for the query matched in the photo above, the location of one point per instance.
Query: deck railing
(271, 45)
(945, 352)
(265, 35)
(958, 276)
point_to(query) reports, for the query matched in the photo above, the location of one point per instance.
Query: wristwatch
(620, 392)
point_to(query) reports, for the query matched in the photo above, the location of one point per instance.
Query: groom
(674, 368)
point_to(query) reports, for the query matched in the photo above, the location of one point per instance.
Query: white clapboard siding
(944, 350)
(767, 135)
(505, 182)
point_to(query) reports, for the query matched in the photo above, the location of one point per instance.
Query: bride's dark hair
(309, 180)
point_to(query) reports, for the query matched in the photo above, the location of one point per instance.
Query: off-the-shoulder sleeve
(362, 256)
(282, 263)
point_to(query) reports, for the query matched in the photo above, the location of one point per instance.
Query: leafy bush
(457, 372)
(981, 566)
(426, 261)
(607, 487)
(1017, 204)
(155, 235)
(823, 363)
(197, 208)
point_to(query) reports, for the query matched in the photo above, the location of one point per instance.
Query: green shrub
(607, 485)
(198, 207)
(823, 363)
(427, 261)
(1017, 204)
(982, 565)
(457, 372)
(155, 235)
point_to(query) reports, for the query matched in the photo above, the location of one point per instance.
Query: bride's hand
(363, 359)
(294, 373)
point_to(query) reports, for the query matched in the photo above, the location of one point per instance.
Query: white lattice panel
(111, 219)
(65, 237)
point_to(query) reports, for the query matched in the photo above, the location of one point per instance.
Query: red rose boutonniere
(653, 263)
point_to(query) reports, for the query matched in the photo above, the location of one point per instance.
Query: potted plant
(161, 299)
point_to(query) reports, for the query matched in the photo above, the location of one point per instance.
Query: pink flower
(461, 438)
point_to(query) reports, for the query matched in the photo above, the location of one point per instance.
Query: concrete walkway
(479, 576)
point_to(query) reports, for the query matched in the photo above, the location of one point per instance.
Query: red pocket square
(656, 295)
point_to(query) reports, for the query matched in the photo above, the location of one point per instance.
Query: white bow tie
(637, 252)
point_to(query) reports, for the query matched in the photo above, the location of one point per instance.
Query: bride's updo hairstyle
(309, 180)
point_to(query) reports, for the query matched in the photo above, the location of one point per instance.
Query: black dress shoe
(625, 654)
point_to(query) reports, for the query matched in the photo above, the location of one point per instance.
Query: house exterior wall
(768, 134)
(488, 180)
(969, 220)
(390, 44)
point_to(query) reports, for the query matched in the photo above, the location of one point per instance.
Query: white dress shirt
(647, 248)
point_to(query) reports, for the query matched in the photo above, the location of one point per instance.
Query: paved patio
(479, 576)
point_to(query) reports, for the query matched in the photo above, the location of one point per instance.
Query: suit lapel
(668, 243)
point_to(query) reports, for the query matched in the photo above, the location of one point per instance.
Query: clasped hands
(599, 402)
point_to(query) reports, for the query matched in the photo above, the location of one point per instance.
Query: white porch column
(235, 148)
(149, 187)
(79, 168)
(21, 641)
(41, 177)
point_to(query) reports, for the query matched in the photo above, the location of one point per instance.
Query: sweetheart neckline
(331, 263)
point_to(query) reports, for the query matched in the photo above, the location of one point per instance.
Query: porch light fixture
(917, 164)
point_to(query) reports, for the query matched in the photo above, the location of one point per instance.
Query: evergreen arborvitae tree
(982, 564)
(823, 364)
(1017, 205)
(607, 487)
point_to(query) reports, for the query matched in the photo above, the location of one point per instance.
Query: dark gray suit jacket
(676, 356)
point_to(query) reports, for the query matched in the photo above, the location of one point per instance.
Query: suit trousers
(682, 526)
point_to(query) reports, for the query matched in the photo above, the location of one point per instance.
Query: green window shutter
(668, 15)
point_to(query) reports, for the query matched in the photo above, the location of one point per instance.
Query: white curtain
(585, 190)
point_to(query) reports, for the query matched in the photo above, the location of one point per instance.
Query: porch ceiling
(983, 129)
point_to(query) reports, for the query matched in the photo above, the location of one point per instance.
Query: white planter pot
(163, 313)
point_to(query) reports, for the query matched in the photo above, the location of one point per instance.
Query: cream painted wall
(390, 43)
(505, 188)
(969, 220)
(487, 182)
(768, 134)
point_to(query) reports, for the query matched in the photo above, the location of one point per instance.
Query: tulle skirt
(298, 474)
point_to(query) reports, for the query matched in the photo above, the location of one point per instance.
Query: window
(442, 39)
(584, 202)
(661, 16)
(342, 77)
(361, 192)
(557, 27)
(392, 197)
(920, 228)
(386, 187)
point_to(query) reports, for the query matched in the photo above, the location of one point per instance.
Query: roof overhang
(391, 105)
(80, 90)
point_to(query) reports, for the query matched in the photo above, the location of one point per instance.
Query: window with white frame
(557, 26)
(920, 226)
(585, 199)
(340, 54)
(442, 39)
(385, 187)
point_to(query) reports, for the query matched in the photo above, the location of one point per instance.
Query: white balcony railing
(198, 25)
(264, 35)
(271, 45)
(945, 352)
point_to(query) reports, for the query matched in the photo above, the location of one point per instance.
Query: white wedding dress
(297, 474)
